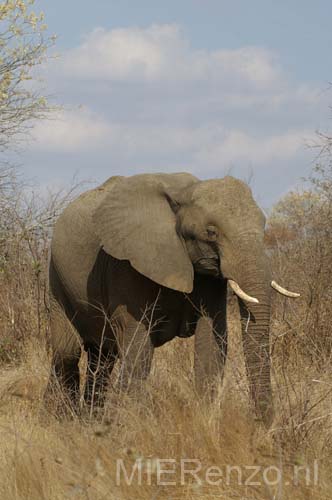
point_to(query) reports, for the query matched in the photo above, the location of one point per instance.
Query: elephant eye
(212, 233)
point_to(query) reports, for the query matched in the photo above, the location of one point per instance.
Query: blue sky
(207, 86)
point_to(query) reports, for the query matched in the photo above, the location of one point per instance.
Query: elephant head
(171, 226)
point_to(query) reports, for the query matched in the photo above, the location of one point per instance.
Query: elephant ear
(135, 221)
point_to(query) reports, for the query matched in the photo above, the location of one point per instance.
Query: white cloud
(158, 62)
(71, 131)
(81, 130)
(238, 146)
(161, 52)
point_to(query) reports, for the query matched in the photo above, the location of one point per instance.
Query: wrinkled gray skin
(151, 252)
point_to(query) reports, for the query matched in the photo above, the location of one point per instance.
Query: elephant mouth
(208, 265)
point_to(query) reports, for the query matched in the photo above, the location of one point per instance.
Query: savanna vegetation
(44, 455)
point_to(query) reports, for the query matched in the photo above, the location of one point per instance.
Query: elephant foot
(264, 414)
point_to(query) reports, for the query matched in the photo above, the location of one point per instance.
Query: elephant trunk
(256, 346)
(255, 279)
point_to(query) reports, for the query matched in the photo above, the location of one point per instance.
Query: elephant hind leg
(64, 382)
(63, 388)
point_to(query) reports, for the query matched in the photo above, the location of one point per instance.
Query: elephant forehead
(226, 193)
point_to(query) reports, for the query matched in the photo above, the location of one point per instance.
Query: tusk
(283, 291)
(240, 293)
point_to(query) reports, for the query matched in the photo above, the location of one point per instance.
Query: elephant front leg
(136, 352)
(210, 354)
(210, 334)
(100, 365)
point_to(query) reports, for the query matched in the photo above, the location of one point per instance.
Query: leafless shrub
(26, 222)
(299, 240)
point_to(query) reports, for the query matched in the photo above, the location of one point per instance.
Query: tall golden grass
(43, 456)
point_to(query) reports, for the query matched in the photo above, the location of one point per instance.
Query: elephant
(143, 259)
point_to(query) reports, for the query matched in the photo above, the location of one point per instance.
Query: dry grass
(43, 457)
